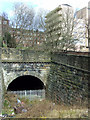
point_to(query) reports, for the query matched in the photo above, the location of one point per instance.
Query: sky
(7, 5)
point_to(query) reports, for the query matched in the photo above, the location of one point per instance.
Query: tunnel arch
(26, 82)
(12, 75)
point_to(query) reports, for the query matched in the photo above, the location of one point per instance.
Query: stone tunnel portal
(26, 82)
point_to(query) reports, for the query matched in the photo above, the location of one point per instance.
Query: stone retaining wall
(14, 55)
(68, 79)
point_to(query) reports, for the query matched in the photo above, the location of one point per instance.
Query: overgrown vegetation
(0, 41)
(43, 109)
(9, 41)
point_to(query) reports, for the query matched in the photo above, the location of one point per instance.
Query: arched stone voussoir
(9, 77)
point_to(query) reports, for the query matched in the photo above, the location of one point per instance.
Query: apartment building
(82, 13)
(24, 38)
(27, 38)
(4, 25)
(82, 29)
(58, 24)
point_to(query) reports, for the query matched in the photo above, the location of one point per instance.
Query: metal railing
(31, 94)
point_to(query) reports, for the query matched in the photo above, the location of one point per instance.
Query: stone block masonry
(64, 74)
(11, 71)
(14, 55)
(68, 79)
(15, 63)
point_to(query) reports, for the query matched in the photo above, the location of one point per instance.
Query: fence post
(25, 93)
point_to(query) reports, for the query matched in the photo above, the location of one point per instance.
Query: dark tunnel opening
(25, 83)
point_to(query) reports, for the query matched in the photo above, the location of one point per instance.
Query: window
(30, 38)
(4, 22)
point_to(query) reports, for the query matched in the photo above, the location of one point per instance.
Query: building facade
(23, 38)
(62, 22)
(82, 13)
(81, 31)
(59, 27)
(4, 25)
(27, 38)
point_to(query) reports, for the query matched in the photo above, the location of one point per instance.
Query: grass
(43, 109)
(9, 111)
(46, 109)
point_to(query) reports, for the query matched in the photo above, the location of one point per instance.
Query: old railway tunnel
(25, 75)
(26, 82)
(24, 70)
(63, 75)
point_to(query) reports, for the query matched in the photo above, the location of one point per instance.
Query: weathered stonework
(68, 79)
(12, 71)
(17, 63)
(65, 75)
(78, 61)
(14, 55)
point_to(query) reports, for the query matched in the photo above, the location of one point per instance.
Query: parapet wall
(78, 60)
(14, 55)
(68, 78)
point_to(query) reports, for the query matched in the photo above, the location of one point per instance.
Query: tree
(8, 40)
(89, 25)
(22, 20)
(81, 29)
(23, 16)
(4, 27)
(67, 40)
(80, 33)
(39, 21)
(1, 43)
(60, 29)
(4, 15)
(26, 21)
